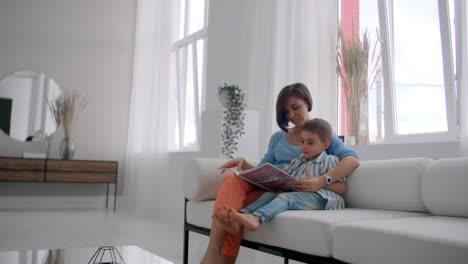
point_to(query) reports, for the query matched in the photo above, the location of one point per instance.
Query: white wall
(85, 46)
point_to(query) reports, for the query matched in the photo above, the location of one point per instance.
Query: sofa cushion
(199, 213)
(305, 231)
(432, 239)
(444, 187)
(203, 178)
(393, 184)
(311, 232)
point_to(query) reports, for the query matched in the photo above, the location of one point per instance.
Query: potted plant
(357, 76)
(231, 98)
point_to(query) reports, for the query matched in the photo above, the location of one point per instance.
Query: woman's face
(296, 111)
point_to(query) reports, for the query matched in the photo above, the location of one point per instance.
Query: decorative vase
(66, 149)
(350, 140)
(358, 118)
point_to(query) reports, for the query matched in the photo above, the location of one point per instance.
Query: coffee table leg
(107, 197)
(115, 196)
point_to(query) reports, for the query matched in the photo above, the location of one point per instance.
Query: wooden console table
(53, 170)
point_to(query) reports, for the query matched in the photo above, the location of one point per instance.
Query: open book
(267, 177)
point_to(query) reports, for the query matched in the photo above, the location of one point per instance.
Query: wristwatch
(328, 179)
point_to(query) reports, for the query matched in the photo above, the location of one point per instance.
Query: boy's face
(311, 145)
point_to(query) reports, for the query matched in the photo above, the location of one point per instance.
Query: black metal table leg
(115, 196)
(107, 197)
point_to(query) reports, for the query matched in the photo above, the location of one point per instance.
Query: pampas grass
(63, 109)
(352, 62)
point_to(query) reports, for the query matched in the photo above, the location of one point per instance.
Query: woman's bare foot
(222, 215)
(249, 221)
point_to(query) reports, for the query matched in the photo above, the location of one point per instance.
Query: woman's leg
(217, 237)
(233, 192)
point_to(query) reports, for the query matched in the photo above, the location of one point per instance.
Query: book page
(269, 177)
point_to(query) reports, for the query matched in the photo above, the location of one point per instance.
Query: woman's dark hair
(319, 126)
(298, 90)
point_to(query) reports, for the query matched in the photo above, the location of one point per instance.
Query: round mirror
(24, 107)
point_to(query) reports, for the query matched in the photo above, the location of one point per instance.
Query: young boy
(315, 138)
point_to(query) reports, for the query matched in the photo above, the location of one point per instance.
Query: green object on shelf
(5, 114)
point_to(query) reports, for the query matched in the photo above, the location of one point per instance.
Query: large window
(189, 53)
(418, 68)
(415, 99)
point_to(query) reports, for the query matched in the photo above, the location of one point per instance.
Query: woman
(292, 106)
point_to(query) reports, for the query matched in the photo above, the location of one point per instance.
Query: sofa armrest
(202, 178)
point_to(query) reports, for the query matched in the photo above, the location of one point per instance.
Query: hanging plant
(231, 98)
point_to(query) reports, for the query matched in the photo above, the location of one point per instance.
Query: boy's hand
(308, 184)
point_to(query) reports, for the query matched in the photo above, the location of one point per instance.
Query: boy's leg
(234, 227)
(306, 201)
(248, 221)
(262, 201)
(291, 201)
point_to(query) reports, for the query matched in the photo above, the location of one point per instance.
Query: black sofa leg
(186, 242)
(286, 260)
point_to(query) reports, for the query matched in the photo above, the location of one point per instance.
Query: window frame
(461, 46)
(386, 35)
(180, 51)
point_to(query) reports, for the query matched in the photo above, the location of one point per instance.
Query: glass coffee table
(105, 254)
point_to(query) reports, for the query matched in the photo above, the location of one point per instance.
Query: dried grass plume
(63, 109)
(352, 66)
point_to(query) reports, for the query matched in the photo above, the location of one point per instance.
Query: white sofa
(412, 210)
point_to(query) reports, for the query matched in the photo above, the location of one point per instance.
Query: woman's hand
(308, 184)
(240, 163)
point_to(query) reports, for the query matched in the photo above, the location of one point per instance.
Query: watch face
(328, 179)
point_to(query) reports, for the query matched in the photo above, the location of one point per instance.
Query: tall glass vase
(66, 149)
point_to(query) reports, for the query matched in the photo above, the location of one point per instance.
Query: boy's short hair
(319, 126)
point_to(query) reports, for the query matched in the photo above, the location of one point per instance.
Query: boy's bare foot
(249, 221)
(222, 215)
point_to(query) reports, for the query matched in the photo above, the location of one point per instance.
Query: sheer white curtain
(287, 42)
(305, 51)
(146, 159)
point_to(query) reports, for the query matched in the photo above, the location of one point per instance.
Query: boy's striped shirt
(319, 166)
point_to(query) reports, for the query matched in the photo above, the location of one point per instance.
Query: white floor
(47, 229)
